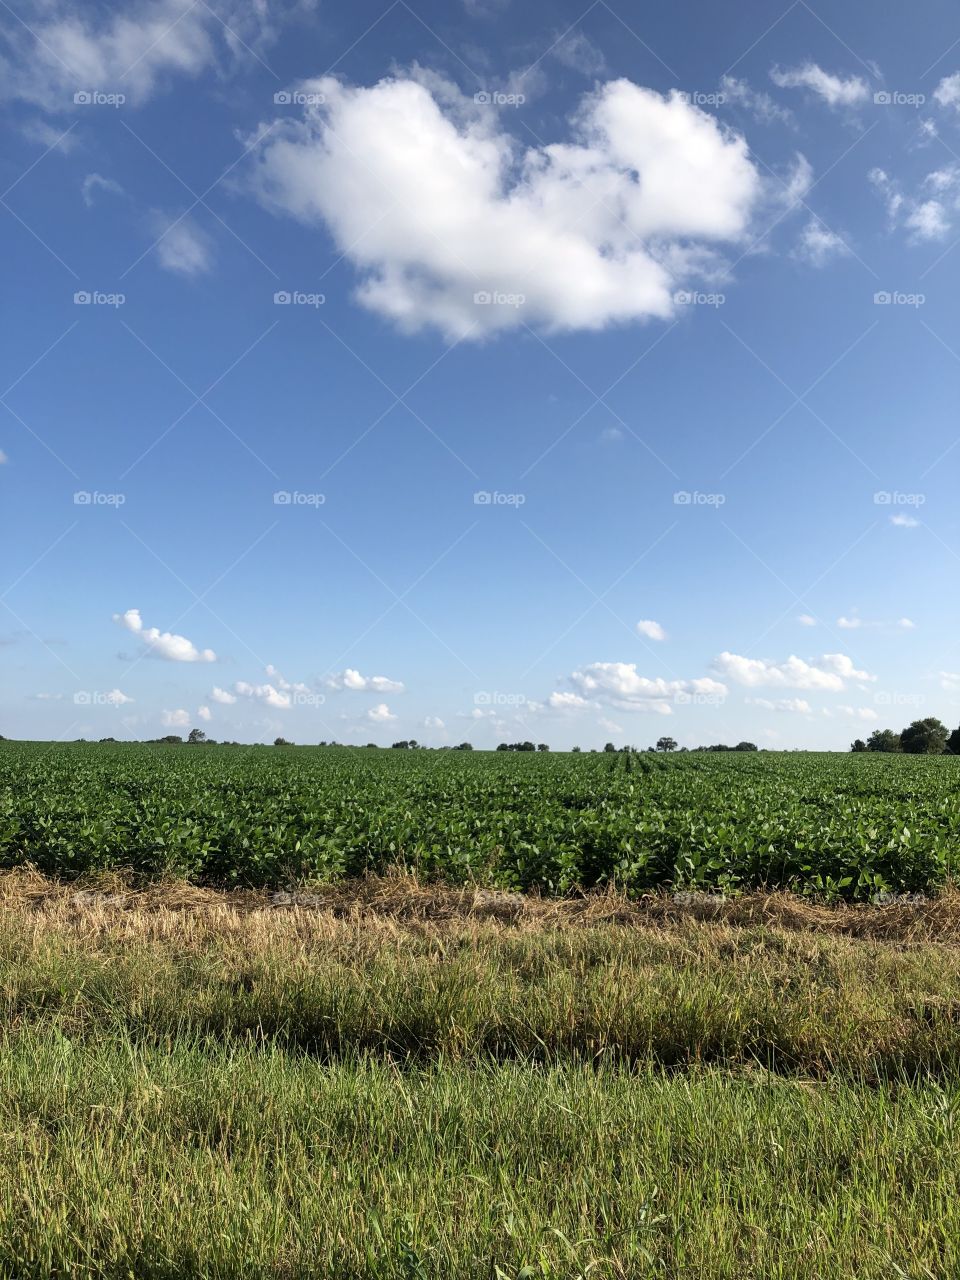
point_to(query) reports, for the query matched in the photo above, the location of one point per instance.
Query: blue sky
(608, 362)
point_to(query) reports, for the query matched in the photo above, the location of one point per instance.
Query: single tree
(609, 747)
(196, 735)
(666, 744)
(858, 744)
(925, 737)
(746, 746)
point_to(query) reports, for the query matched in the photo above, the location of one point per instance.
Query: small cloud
(797, 706)
(806, 620)
(222, 696)
(351, 680)
(817, 244)
(907, 624)
(611, 434)
(760, 105)
(579, 53)
(178, 719)
(903, 521)
(610, 725)
(204, 713)
(849, 624)
(94, 182)
(950, 680)
(380, 714)
(433, 722)
(3, 458)
(652, 630)
(163, 644)
(182, 247)
(947, 92)
(835, 91)
(47, 697)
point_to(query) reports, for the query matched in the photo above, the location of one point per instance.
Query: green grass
(199, 1159)
(198, 1086)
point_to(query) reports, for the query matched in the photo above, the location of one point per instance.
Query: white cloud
(760, 105)
(620, 685)
(835, 91)
(799, 706)
(95, 182)
(610, 725)
(434, 204)
(859, 713)
(928, 215)
(352, 680)
(204, 713)
(283, 683)
(182, 247)
(817, 244)
(163, 644)
(380, 714)
(950, 680)
(652, 630)
(433, 722)
(179, 719)
(906, 624)
(3, 458)
(50, 137)
(47, 697)
(266, 693)
(132, 50)
(947, 92)
(579, 53)
(565, 701)
(849, 624)
(117, 699)
(222, 696)
(827, 672)
(806, 620)
(903, 521)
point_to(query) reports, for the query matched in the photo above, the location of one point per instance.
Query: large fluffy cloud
(436, 205)
(619, 684)
(829, 672)
(163, 644)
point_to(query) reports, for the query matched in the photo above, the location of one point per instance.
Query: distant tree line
(928, 737)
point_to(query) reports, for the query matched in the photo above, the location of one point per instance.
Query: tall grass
(203, 1086)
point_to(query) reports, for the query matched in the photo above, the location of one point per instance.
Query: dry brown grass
(121, 903)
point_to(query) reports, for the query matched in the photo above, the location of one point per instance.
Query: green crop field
(854, 826)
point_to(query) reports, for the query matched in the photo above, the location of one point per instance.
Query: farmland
(270, 1013)
(847, 826)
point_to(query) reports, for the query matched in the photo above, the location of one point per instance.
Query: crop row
(842, 825)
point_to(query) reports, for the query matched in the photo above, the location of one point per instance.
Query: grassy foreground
(387, 1081)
